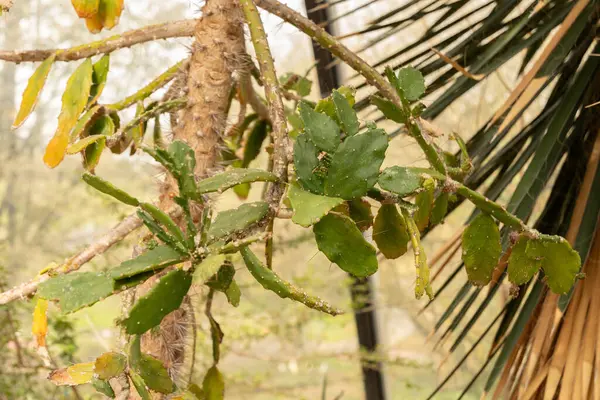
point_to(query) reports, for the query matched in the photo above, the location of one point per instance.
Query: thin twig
(181, 28)
(358, 64)
(592, 105)
(106, 241)
(166, 107)
(177, 89)
(152, 87)
(330, 43)
(273, 95)
(457, 66)
(291, 96)
(276, 113)
(250, 97)
(241, 113)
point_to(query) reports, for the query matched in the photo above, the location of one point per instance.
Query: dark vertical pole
(328, 77)
(366, 326)
(361, 289)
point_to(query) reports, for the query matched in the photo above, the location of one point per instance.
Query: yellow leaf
(76, 374)
(137, 132)
(85, 8)
(33, 90)
(109, 365)
(55, 151)
(94, 24)
(40, 322)
(74, 100)
(111, 12)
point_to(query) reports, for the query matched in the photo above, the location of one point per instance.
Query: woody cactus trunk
(218, 52)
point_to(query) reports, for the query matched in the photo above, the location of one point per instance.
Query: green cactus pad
(390, 233)
(232, 221)
(309, 208)
(355, 165)
(341, 241)
(521, 267)
(560, 262)
(322, 130)
(76, 290)
(152, 260)
(232, 177)
(405, 181)
(306, 162)
(164, 297)
(345, 113)
(481, 249)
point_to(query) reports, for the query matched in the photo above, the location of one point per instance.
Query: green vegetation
(331, 174)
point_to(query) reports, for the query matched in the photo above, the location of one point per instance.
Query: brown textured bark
(218, 51)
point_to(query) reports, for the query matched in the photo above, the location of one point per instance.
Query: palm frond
(555, 150)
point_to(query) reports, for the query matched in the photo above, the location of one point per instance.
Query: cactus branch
(164, 107)
(316, 303)
(358, 64)
(431, 153)
(423, 284)
(150, 88)
(276, 112)
(489, 206)
(376, 79)
(273, 95)
(332, 44)
(150, 33)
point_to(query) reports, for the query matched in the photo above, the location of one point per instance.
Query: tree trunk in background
(218, 51)
(329, 78)
(11, 34)
(361, 289)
